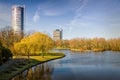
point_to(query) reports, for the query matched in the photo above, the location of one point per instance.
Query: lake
(77, 66)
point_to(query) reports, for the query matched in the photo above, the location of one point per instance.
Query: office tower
(18, 19)
(57, 34)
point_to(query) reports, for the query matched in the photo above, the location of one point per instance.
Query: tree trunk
(28, 57)
(42, 54)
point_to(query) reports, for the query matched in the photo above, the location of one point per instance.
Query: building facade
(57, 34)
(18, 19)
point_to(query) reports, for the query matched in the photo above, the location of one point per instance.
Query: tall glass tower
(18, 19)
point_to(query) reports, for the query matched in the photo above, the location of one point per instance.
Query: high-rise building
(57, 34)
(18, 19)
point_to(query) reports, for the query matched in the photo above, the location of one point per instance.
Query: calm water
(77, 66)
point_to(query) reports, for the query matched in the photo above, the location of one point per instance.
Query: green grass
(20, 66)
(60, 48)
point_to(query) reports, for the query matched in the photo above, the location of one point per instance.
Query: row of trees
(31, 44)
(95, 44)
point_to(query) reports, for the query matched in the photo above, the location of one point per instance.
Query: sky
(77, 18)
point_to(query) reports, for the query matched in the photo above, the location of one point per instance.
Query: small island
(87, 45)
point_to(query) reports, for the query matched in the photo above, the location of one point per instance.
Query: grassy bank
(18, 65)
(60, 48)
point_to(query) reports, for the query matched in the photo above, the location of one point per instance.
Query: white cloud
(76, 21)
(56, 8)
(49, 8)
(36, 17)
(51, 13)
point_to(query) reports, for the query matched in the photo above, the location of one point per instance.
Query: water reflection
(77, 66)
(40, 72)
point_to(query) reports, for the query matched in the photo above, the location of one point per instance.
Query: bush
(5, 54)
(0, 53)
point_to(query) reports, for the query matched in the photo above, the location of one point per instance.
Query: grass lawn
(18, 65)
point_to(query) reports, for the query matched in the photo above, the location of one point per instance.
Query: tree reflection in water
(39, 72)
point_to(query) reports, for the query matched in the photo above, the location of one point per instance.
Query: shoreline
(28, 66)
(82, 50)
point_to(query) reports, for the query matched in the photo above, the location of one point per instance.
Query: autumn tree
(7, 37)
(114, 44)
(74, 43)
(34, 44)
(65, 44)
(58, 44)
(99, 44)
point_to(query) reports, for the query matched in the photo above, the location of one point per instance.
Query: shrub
(0, 53)
(5, 54)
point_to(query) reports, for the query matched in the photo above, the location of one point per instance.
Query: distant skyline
(77, 18)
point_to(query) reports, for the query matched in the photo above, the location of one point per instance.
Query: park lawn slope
(19, 65)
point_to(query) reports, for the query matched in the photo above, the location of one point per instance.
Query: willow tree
(34, 44)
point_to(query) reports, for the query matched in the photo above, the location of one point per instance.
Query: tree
(99, 44)
(34, 44)
(74, 43)
(6, 54)
(58, 44)
(7, 37)
(114, 44)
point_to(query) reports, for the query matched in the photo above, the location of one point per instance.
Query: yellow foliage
(33, 44)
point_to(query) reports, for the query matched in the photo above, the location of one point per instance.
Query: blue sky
(77, 18)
